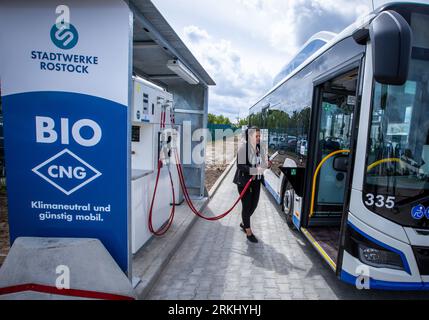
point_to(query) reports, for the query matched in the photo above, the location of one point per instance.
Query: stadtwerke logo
(64, 37)
(63, 34)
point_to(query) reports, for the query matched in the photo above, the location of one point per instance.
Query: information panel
(64, 72)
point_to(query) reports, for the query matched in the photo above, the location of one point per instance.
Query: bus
(354, 179)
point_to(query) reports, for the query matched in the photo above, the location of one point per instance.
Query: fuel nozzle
(165, 140)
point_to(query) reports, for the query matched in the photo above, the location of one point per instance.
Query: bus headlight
(379, 258)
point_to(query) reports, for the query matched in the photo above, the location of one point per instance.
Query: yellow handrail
(313, 191)
(373, 165)
(316, 173)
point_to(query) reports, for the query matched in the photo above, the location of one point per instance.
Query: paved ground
(216, 262)
(150, 259)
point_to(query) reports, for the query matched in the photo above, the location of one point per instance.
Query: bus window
(335, 130)
(288, 135)
(397, 177)
(276, 122)
(334, 134)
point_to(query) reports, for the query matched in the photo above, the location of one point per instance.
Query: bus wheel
(288, 198)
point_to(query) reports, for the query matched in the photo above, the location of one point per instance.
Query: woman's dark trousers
(249, 201)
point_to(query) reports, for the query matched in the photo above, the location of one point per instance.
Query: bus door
(332, 143)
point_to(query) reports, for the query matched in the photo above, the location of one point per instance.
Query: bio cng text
(66, 171)
(46, 131)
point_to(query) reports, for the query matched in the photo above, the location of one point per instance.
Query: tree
(243, 122)
(213, 119)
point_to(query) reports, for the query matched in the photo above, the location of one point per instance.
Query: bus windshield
(398, 146)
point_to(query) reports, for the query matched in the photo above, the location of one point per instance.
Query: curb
(153, 273)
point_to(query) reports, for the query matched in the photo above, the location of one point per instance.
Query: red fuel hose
(167, 226)
(189, 201)
(186, 194)
(164, 229)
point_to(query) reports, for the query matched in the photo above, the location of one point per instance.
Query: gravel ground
(219, 155)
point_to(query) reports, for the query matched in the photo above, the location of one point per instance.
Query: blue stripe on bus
(385, 285)
(271, 190)
(381, 244)
(295, 221)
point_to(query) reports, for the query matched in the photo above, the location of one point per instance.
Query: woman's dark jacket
(242, 175)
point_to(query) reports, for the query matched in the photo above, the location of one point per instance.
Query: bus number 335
(380, 201)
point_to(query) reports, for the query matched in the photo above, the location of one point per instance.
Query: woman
(249, 166)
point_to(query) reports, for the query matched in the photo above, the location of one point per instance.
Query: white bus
(355, 178)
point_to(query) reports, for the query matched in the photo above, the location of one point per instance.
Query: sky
(243, 44)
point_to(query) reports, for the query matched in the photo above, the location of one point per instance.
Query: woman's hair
(253, 129)
(245, 134)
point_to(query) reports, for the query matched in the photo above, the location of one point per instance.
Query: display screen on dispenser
(135, 134)
(145, 104)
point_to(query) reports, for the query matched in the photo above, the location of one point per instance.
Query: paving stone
(215, 261)
(258, 296)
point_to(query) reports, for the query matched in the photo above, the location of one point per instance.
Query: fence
(218, 131)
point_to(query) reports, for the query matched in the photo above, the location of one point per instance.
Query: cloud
(291, 23)
(238, 86)
(252, 4)
(251, 40)
(196, 34)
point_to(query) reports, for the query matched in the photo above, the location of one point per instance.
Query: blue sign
(66, 129)
(418, 212)
(64, 181)
(427, 213)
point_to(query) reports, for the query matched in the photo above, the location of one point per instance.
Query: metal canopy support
(145, 44)
(191, 103)
(205, 119)
(164, 76)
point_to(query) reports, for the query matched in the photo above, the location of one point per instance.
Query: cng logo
(66, 172)
(63, 34)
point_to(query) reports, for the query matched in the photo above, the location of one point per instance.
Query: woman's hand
(261, 171)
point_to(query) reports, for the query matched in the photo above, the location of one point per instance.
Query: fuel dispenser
(152, 142)
(158, 181)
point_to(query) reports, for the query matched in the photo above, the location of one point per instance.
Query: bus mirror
(341, 163)
(390, 36)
